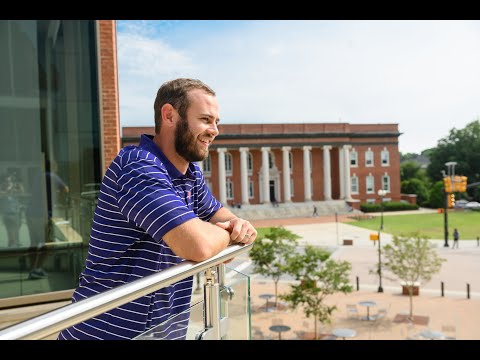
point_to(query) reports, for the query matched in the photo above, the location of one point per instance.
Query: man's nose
(213, 129)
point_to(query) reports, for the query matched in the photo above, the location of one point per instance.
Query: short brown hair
(175, 93)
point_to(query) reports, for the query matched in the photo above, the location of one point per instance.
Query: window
(353, 158)
(290, 161)
(251, 189)
(209, 184)
(370, 201)
(249, 163)
(207, 165)
(369, 157)
(291, 187)
(229, 184)
(354, 184)
(370, 184)
(228, 164)
(386, 182)
(271, 160)
(385, 155)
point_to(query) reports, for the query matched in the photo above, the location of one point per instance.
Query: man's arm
(197, 240)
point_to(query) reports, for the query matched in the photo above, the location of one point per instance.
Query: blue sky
(423, 75)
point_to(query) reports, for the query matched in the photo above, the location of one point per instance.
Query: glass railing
(234, 313)
(223, 312)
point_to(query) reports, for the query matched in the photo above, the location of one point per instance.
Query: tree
(418, 187)
(463, 147)
(412, 258)
(437, 196)
(271, 252)
(318, 277)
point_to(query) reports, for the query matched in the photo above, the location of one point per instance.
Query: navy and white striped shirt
(142, 197)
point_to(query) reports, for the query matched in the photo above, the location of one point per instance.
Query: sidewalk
(437, 312)
(461, 268)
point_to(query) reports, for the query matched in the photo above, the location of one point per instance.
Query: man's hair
(175, 93)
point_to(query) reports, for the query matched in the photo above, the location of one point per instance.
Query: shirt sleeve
(207, 204)
(147, 197)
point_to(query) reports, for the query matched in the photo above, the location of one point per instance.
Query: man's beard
(186, 144)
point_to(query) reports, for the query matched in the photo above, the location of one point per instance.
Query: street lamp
(380, 193)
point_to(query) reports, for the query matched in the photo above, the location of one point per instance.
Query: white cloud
(423, 75)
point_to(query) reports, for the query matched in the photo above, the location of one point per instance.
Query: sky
(422, 75)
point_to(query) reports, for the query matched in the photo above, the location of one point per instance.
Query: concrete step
(289, 210)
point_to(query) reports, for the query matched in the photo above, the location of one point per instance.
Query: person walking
(456, 236)
(315, 211)
(154, 211)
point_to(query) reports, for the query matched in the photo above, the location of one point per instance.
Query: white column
(244, 174)
(287, 195)
(307, 173)
(341, 170)
(200, 165)
(222, 179)
(327, 176)
(266, 175)
(348, 186)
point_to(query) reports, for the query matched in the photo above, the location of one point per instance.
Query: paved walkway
(461, 268)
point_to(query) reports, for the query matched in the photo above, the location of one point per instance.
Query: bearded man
(154, 211)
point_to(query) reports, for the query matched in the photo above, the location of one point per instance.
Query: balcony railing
(223, 313)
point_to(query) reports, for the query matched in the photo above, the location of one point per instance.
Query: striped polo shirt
(142, 197)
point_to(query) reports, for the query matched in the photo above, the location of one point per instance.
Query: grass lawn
(432, 225)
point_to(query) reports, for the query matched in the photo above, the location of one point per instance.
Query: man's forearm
(223, 214)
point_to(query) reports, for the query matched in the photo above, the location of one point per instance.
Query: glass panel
(236, 308)
(184, 326)
(49, 152)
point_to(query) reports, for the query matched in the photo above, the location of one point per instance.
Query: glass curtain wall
(50, 152)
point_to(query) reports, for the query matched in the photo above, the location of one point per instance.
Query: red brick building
(263, 163)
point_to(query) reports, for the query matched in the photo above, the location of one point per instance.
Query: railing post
(358, 284)
(442, 289)
(211, 305)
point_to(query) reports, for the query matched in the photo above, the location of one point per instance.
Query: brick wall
(108, 75)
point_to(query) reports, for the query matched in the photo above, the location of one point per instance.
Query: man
(155, 210)
(456, 236)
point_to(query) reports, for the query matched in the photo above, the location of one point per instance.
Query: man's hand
(241, 231)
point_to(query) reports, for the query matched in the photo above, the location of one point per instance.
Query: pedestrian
(315, 212)
(155, 211)
(456, 236)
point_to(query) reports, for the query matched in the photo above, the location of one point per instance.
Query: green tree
(418, 187)
(437, 196)
(411, 258)
(318, 277)
(270, 253)
(463, 147)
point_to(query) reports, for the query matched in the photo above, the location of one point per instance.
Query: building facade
(265, 163)
(59, 123)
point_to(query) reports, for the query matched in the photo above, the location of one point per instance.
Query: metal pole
(445, 217)
(468, 291)
(380, 288)
(358, 284)
(442, 289)
(336, 223)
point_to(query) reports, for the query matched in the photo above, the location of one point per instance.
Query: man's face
(195, 133)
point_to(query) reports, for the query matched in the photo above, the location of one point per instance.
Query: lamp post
(451, 173)
(380, 193)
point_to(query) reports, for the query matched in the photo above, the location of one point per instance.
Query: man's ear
(168, 115)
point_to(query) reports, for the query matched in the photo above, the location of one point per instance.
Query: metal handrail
(66, 316)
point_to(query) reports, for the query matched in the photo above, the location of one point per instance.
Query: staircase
(290, 210)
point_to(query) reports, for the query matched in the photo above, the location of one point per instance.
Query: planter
(347, 241)
(415, 292)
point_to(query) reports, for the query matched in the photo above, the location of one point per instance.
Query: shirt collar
(147, 143)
